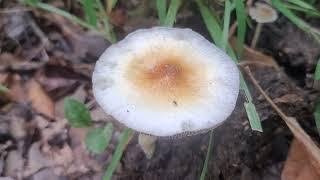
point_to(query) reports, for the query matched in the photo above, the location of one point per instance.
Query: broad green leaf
(253, 117)
(98, 139)
(124, 139)
(317, 116)
(162, 10)
(242, 26)
(317, 73)
(89, 11)
(172, 12)
(77, 113)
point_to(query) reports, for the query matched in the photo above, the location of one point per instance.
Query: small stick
(292, 123)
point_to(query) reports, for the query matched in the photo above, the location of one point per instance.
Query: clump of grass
(91, 8)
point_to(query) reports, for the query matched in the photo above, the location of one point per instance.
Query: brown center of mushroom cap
(166, 78)
(265, 12)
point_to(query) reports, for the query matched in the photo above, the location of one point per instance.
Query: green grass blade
(107, 26)
(52, 9)
(124, 139)
(296, 20)
(317, 72)
(162, 10)
(211, 23)
(302, 4)
(306, 11)
(205, 165)
(250, 108)
(172, 12)
(226, 23)
(110, 5)
(242, 26)
(216, 34)
(317, 116)
(89, 11)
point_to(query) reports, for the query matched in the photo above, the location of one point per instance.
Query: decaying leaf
(298, 165)
(40, 101)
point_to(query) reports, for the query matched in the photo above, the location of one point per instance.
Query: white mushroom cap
(263, 13)
(166, 81)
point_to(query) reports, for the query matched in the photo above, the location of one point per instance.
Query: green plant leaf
(97, 139)
(172, 12)
(77, 113)
(317, 116)
(242, 26)
(89, 11)
(124, 139)
(317, 72)
(205, 165)
(162, 10)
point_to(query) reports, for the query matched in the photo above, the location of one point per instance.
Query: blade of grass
(162, 10)
(216, 34)
(172, 12)
(296, 20)
(205, 165)
(302, 4)
(89, 11)
(317, 116)
(317, 72)
(124, 139)
(52, 9)
(306, 11)
(242, 26)
(110, 5)
(107, 26)
(226, 23)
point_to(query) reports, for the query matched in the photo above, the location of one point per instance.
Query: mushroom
(166, 81)
(261, 13)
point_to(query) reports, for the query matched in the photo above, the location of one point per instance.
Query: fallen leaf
(253, 56)
(40, 101)
(298, 165)
(288, 98)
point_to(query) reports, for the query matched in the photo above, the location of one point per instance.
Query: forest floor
(45, 58)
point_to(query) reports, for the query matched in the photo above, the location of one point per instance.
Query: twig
(292, 123)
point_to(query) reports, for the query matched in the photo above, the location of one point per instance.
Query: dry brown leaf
(40, 101)
(298, 165)
(288, 98)
(253, 56)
